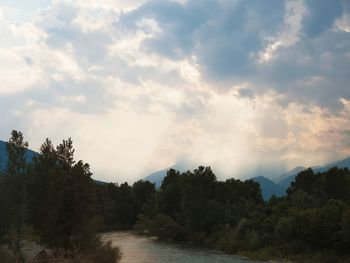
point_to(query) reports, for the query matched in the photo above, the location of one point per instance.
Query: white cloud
(116, 5)
(16, 72)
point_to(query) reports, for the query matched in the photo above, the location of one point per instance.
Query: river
(142, 249)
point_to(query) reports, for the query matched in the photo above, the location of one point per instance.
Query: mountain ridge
(158, 176)
(269, 187)
(285, 182)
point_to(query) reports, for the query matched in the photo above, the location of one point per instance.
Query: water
(141, 249)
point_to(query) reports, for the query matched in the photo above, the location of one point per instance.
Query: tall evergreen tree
(16, 189)
(64, 205)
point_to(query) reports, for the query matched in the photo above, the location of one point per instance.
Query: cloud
(313, 71)
(223, 35)
(65, 29)
(321, 16)
(147, 83)
(227, 39)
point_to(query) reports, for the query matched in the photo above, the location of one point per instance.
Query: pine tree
(16, 190)
(64, 207)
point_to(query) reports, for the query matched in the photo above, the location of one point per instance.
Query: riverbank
(32, 252)
(269, 254)
(138, 248)
(242, 255)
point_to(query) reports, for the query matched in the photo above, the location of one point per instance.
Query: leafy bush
(102, 252)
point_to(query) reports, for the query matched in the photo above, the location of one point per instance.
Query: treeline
(120, 205)
(311, 223)
(51, 201)
(55, 201)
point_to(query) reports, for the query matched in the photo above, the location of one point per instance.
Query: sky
(239, 85)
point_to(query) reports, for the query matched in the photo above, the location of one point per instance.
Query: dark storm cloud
(314, 71)
(321, 16)
(179, 24)
(227, 36)
(223, 34)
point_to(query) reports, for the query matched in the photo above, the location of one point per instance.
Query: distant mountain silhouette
(340, 164)
(158, 176)
(269, 187)
(294, 171)
(288, 178)
(3, 155)
(285, 179)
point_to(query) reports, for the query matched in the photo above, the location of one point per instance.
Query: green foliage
(141, 191)
(162, 226)
(101, 252)
(64, 210)
(119, 205)
(194, 206)
(56, 195)
(345, 229)
(332, 184)
(232, 216)
(4, 210)
(14, 194)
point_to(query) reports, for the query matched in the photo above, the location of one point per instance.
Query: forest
(54, 201)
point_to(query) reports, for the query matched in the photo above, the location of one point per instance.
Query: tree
(4, 209)
(170, 193)
(141, 191)
(65, 208)
(345, 229)
(305, 181)
(16, 189)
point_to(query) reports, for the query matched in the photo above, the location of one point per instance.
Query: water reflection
(140, 249)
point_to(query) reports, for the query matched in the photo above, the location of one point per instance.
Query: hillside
(269, 188)
(288, 178)
(157, 177)
(3, 155)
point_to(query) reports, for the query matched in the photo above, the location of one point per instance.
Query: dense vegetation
(311, 223)
(56, 198)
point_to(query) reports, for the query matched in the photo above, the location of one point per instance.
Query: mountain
(288, 178)
(272, 164)
(340, 164)
(286, 182)
(294, 171)
(3, 155)
(269, 188)
(157, 177)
